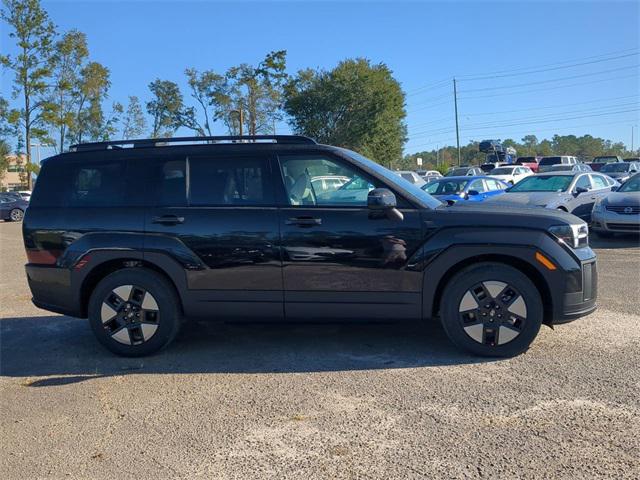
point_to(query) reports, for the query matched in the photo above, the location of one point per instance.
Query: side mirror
(614, 188)
(381, 199)
(580, 190)
(382, 202)
(472, 193)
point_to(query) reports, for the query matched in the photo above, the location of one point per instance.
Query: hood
(623, 199)
(526, 198)
(495, 215)
(502, 177)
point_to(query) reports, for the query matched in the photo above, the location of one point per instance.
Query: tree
(530, 145)
(165, 108)
(210, 90)
(69, 57)
(356, 105)
(134, 124)
(34, 33)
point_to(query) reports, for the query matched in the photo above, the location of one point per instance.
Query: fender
(449, 249)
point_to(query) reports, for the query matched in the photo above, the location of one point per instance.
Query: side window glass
(229, 181)
(99, 184)
(477, 185)
(583, 182)
(301, 174)
(171, 183)
(598, 182)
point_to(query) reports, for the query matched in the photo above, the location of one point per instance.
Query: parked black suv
(139, 235)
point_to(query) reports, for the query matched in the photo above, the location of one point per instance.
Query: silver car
(618, 212)
(572, 192)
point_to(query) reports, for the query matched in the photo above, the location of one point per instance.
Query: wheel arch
(513, 261)
(106, 267)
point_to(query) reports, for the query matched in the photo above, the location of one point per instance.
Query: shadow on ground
(619, 240)
(64, 350)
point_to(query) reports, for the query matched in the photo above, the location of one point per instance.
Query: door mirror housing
(381, 199)
(580, 190)
(472, 193)
(382, 202)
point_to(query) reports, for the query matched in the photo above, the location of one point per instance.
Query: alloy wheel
(493, 313)
(16, 215)
(130, 315)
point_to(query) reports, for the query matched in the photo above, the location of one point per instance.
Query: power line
(550, 88)
(429, 86)
(528, 72)
(551, 80)
(518, 69)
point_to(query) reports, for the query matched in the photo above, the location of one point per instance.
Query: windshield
(457, 172)
(416, 193)
(631, 185)
(502, 171)
(615, 167)
(445, 187)
(543, 183)
(605, 159)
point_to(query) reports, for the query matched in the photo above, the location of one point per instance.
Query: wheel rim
(130, 315)
(16, 215)
(493, 313)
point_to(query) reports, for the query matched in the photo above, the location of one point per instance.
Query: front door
(339, 260)
(216, 215)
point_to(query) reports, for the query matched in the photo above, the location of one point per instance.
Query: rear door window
(219, 181)
(599, 182)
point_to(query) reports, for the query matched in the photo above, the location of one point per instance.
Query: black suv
(140, 235)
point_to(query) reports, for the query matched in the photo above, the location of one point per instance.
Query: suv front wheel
(134, 312)
(491, 309)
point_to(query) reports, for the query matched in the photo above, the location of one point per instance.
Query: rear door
(582, 204)
(215, 214)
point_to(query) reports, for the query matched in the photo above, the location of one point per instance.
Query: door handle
(303, 221)
(168, 220)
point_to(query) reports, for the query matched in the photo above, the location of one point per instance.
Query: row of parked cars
(13, 205)
(611, 206)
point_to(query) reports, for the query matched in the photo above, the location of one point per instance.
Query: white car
(511, 174)
(25, 194)
(411, 177)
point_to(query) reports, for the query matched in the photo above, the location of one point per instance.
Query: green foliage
(5, 149)
(209, 90)
(34, 34)
(356, 105)
(165, 108)
(134, 123)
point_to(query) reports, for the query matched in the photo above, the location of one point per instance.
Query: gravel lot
(321, 401)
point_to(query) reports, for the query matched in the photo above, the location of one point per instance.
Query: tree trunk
(27, 137)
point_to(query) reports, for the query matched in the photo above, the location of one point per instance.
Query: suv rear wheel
(491, 309)
(134, 312)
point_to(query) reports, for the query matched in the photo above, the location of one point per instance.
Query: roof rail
(156, 142)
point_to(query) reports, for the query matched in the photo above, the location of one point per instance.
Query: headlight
(575, 236)
(598, 207)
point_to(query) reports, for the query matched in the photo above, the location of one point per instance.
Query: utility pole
(455, 102)
(632, 127)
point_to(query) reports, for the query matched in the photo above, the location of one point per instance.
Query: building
(15, 178)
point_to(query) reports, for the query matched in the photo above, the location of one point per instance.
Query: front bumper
(582, 291)
(607, 221)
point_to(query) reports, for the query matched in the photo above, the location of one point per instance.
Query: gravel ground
(321, 401)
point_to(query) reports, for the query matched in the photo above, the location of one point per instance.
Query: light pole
(37, 145)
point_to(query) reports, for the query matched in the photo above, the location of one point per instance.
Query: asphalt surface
(321, 401)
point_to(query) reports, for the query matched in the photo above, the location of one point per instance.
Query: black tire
(16, 215)
(163, 318)
(459, 322)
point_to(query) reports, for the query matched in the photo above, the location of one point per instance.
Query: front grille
(628, 227)
(624, 210)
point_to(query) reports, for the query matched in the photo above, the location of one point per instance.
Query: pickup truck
(531, 162)
(598, 162)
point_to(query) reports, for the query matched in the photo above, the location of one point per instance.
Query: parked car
(473, 189)
(531, 162)
(11, 208)
(565, 167)
(141, 237)
(25, 194)
(465, 171)
(428, 175)
(488, 167)
(618, 212)
(599, 162)
(547, 162)
(621, 171)
(411, 177)
(511, 174)
(632, 159)
(571, 192)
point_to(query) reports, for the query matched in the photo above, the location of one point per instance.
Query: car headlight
(575, 236)
(598, 207)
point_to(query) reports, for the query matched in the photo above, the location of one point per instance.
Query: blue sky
(424, 43)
